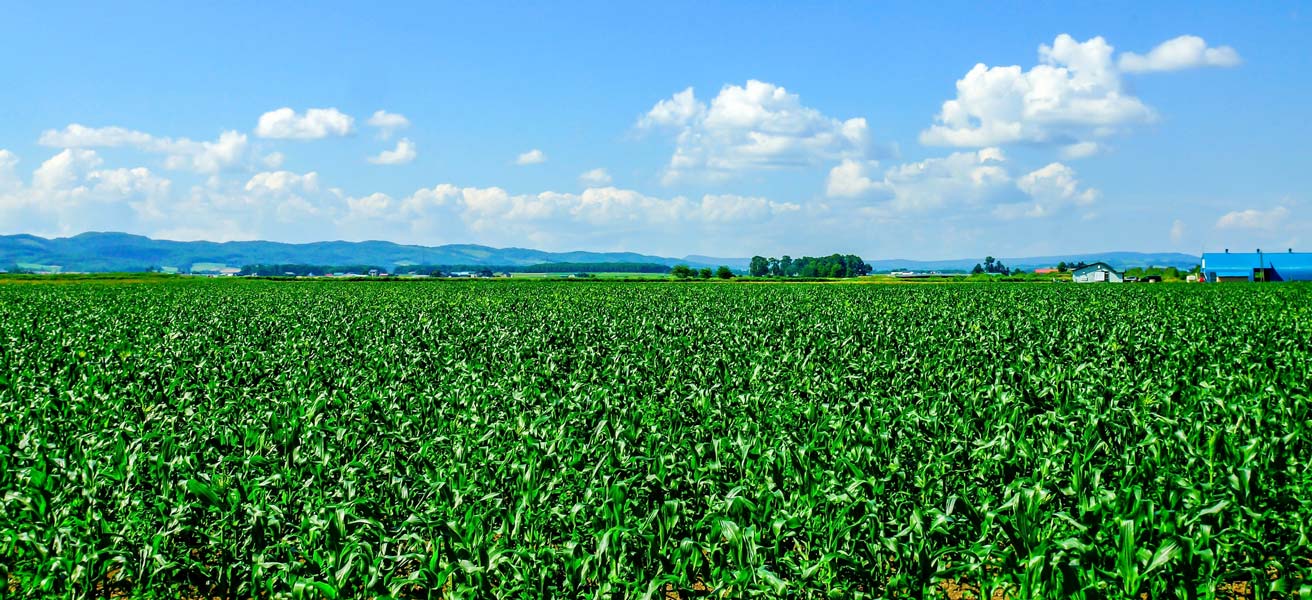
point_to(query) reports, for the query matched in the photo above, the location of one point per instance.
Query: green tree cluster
(687, 272)
(834, 265)
(1167, 273)
(994, 266)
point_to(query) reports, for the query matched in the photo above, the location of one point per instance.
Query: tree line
(1166, 273)
(687, 272)
(834, 265)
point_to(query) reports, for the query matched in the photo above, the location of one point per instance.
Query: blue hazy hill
(108, 251)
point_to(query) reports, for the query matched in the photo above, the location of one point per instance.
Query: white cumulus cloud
(64, 169)
(758, 125)
(1080, 150)
(69, 193)
(263, 206)
(180, 153)
(317, 123)
(1254, 218)
(930, 183)
(1051, 189)
(143, 192)
(374, 205)
(849, 179)
(595, 177)
(8, 170)
(1074, 93)
(80, 136)
(128, 181)
(427, 199)
(730, 208)
(961, 179)
(679, 110)
(207, 157)
(495, 209)
(283, 181)
(402, 154)
(293, 197)
(963, 183)
(532, 157)
(1184, 52)
(388, 123)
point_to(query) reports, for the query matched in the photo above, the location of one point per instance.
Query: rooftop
(1214, 261)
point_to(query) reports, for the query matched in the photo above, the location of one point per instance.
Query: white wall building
(1099, 272)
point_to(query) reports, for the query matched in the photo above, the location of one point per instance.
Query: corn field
(254, 439)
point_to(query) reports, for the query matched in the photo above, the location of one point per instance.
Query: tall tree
(759, 267)
(682, 271)
(856, 267)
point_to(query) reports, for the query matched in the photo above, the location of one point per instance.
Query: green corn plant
(510, 439)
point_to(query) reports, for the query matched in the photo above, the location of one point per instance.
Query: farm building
(1099, 272)
(1257, 266)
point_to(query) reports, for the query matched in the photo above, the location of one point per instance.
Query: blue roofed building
(1257, 266)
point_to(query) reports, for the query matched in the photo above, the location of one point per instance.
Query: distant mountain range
(100, 252)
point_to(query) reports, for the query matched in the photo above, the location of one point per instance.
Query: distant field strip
(537, 439)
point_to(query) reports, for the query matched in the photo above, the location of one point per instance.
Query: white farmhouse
(1099, 272)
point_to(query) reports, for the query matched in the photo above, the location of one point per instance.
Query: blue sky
(809, 128)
